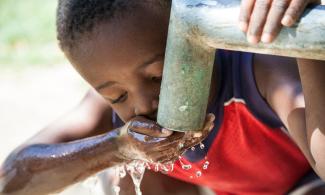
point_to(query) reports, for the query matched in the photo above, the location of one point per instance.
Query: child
(118, 47)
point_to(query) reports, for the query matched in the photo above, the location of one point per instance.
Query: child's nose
(146, 107)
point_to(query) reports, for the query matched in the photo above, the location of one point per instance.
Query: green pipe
(196, 29)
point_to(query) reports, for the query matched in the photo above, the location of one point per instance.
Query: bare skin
(262, 20)
(123, 61)
(28, 172)
(91, 155)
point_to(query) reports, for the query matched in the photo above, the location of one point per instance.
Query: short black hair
(75, 18)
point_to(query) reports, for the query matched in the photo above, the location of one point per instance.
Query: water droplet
(172, 167)
(205, 165)
(91, 184)
(186, 167)
(198, 174)
(122, 172)
(180, 145)
(193, 148)
(117, 190)
(148, 166)
(157, 167)
(164, 169)
(202, 146)
(191, 177)
(136, 170)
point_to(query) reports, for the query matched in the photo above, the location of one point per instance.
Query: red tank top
(249, 151)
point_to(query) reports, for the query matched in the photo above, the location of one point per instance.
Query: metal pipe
(197, 28)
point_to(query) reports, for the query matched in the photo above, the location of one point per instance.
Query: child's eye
(120, 99)
(156, 78)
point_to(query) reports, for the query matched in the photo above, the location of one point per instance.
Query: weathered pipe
(197, 28)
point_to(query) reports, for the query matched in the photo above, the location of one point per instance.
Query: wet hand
(263, 19)
(143, 139)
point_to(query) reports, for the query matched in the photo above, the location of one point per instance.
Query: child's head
(118, 47)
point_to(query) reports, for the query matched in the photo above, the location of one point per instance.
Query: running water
(92, 184)
(136, 170)
(119, 173)
(116, 190)
(184, 166)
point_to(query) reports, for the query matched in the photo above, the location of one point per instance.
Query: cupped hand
(143, 139)
(263, 19)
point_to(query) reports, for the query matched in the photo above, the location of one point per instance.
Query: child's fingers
(209, 122)
(293, 12)
(257, 20)
(148, 127)
(273, 23)
(194, 137)
(208, 125)
(246, 9)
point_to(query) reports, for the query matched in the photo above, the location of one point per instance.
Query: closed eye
(156, 78)
(120, 99)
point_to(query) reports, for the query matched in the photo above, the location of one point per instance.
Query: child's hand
(263, 19)
(144, 139)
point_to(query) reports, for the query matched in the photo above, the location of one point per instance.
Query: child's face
(123, 59)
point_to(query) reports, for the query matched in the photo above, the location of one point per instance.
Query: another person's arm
(263, 19)
(297, 96)
(312, 74)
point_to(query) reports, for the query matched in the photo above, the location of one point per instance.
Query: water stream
(137, 168)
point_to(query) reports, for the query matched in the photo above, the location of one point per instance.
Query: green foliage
(27, 33)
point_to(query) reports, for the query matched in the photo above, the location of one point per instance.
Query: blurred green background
(27, 33)
(37, 83)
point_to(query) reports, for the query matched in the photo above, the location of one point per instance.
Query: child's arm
(89, 118)
(48, 163)
(279, 82)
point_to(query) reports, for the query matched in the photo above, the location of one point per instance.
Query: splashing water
(202, 146)
(92, 184)
(116, 190)
(205, 165)
(136, 170)
(121, 171)
(157, 167)
(180, 145)
(184, 166)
